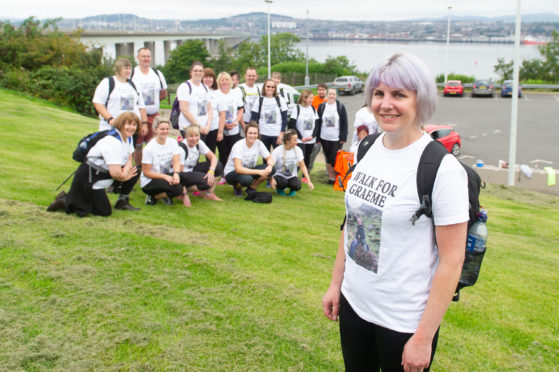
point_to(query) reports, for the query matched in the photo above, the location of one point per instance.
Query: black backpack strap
(132, 74)
(156, 73)
(185, 148)
(364, 146)
(278, 102)
(111, 88)
(427, 168)
(261, 99)
(133, 86)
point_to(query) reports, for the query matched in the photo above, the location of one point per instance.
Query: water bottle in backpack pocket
(475, 250)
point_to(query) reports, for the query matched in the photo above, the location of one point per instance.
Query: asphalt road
(484, 126)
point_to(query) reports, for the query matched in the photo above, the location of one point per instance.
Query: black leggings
(369, 347)
(293, 183)
(307, 153)
(158, 186)
(225, 147)
(196, 176)
(330, 149)
(245, 180)
(269, 141)
(210, 140)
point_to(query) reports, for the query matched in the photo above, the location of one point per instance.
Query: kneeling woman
(287, 157)
(108, 160)
(196, 176)
(241, 169)
(161, 166)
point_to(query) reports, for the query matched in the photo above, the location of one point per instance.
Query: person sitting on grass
(161, 166)
(287, 157)
(109, 160)
(241, 169)
(196, 176)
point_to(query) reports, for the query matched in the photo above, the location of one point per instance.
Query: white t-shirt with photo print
(248, 155)
(270, 118)
(230, 103)
(286, 162)
(330, 130)
(390, 263)
(251, 95)
(150, 85)
(160, 157)
(305, 122)
(123, 98)
(197, 97)
(193, 154)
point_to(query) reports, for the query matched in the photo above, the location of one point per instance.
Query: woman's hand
(210, 178)
(279, 139)
(311, 186)
(266, 171)
(416, 355)
(205, 130)
(230, 126)
(130, 172)
(331, 302)
(176, 179)
(168, 178)
(306, 139)
(273, 183)
(219, 137)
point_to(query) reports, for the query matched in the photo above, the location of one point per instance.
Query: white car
(348, 84)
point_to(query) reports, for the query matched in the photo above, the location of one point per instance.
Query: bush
(17, 79)
(453, 76)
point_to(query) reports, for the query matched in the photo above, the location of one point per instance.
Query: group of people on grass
(392, 281)
(231, 124)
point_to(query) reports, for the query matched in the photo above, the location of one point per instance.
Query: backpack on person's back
(427, 168)
(176, 108)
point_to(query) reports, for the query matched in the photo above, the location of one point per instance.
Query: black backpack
(176, 109)
(427, 169)
(87, 142)
(260, 105)
(185, 148)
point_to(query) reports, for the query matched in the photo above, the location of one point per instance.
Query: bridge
(127, 43)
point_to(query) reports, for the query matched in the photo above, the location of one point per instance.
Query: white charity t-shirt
(330, 130)
(197, 100)
(230, 103)
(150, 85)
(214, 96)
(305, 122)
(390, 263)
(364, 117)
(286, 162)
(193, 154)
(270, 118)
(251, 98)
(160, 157)
(109, 151)
(248, 155)
(123, 98)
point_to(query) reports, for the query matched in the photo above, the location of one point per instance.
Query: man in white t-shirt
(153, 86)
(250, 93)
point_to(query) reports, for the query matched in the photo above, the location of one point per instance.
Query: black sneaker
(150, 200)
(167, 201)
(124, 205)
(238, 192)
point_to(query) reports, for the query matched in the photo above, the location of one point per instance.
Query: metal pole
(514, 107)
(269, 37)
(307, 81)
(447, 45)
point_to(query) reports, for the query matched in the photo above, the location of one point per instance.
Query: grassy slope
(232, 285)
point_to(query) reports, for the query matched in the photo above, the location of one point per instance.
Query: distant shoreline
(464, 41)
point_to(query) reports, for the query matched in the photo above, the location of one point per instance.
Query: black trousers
(369, 347)
(196, 177)
(269, 141)
(330, 149)
(225, 147)
(307, 153)
(244, 180)
(210, 140)
(158, 186)
(294, 183)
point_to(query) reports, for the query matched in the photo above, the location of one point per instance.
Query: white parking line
(496, 131)
(484, 134)
(556, 98)
(473, 137)
(465, 157)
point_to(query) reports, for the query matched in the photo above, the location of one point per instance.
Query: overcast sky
(322, 9)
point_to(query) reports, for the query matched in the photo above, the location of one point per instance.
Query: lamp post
(514, 106)
(307, 81)
(447, 44)
(269, 2)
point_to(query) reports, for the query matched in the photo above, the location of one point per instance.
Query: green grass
(233, 285)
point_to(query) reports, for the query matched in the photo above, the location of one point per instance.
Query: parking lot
(484, 125)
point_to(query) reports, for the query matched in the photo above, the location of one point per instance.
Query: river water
(475, 59)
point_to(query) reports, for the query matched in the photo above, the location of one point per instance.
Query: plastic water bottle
(477, 236)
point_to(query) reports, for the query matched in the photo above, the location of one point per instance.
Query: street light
(514, 106)
(269, 2)
(447, 44)
(307, 81)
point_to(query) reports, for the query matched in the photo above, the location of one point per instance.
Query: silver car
(348, 84)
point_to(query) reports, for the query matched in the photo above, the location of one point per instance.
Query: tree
(248, 54)
(177, 68)
(282, 48)
(223, 61)
(339, 65)
(504, 69)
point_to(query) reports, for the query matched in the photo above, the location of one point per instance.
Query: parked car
(506, 89)
(446, 135)
(482, 88)
(348, 84)
(453, 88)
